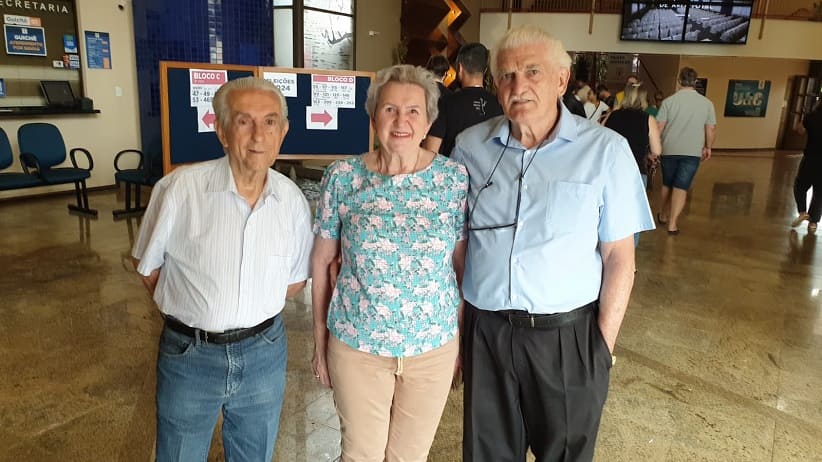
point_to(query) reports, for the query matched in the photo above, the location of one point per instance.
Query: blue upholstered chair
(148, 171)
(12, 180)
(42, 149)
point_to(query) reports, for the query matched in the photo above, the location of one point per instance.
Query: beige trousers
(389, 408)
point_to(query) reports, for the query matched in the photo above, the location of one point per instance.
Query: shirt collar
(223, 181)
(566, 129)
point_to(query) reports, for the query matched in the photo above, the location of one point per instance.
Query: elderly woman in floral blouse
(386, 335)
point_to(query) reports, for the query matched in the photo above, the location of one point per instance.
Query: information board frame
(353, 136)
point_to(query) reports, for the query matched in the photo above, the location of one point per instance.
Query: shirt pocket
(571, 206)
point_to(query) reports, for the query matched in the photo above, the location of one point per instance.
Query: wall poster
(98, 50)
(701, 86)
(747, 98)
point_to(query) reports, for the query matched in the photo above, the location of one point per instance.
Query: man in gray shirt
(687, 121)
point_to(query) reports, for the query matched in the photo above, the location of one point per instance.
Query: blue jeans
(197, 380)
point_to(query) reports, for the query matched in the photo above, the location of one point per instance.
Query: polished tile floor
(719, 359)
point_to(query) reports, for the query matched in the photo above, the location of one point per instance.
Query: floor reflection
(718, 359)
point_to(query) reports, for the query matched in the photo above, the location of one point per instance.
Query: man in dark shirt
(605, 95)
(572, 103)
(469, 106)
(439, 65)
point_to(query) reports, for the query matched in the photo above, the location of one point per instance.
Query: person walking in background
(632, 79)
(385, 337)
(572, 101)
(584, 95)
(809, 174)
(554, 203)
(468, 106)
(604, 95)
(687, 121)
(221, 246)
(639, 128)
(439, 65)
(653, 107)
(594, 108)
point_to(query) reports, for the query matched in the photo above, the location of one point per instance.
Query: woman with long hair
(638, 127)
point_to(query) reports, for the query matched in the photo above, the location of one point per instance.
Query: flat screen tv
(687, 21)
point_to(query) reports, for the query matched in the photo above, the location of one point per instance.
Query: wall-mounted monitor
(687, 21)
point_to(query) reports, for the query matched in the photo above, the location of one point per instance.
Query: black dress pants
(809, 175)
(542, 388)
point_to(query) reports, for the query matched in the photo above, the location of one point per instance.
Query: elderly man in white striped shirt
(221, 246)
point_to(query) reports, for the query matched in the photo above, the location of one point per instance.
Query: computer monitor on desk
(58, 93)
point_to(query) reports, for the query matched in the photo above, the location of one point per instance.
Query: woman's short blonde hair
(405, 73)
(636, 97)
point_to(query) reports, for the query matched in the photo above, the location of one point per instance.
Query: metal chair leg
(82, 200)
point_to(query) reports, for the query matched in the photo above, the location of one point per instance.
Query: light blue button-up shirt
(581, 186)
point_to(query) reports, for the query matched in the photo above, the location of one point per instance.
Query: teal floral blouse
(396, 294)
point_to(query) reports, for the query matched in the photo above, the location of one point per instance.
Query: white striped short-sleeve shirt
(223, 265)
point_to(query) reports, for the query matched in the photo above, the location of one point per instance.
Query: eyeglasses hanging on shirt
(489, 181)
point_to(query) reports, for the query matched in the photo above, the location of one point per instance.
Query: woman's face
(401, 117)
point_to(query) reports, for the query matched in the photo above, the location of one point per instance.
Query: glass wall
(327, 30)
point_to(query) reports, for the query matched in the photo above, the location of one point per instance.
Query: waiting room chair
(42, 149)
(12, 180)
(149, 170)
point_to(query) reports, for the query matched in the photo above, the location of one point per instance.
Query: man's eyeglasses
(489, 182)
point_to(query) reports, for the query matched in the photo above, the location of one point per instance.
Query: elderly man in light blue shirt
(553, 205)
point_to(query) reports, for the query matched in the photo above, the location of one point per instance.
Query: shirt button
(525, 187)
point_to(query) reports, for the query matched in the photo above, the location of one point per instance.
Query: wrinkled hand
(320, 367)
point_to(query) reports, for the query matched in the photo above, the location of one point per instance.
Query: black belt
(220, 338)
(520, 318)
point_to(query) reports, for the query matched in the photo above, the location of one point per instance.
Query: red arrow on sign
(323, 117)
(209, 118)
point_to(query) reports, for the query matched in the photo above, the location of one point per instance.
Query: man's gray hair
(687, 77)
(220, 103)
(405, 73)
(530, 35)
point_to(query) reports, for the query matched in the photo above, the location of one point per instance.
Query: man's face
(255, 130)
(591, 97)
(529, 85)
(631, 80)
